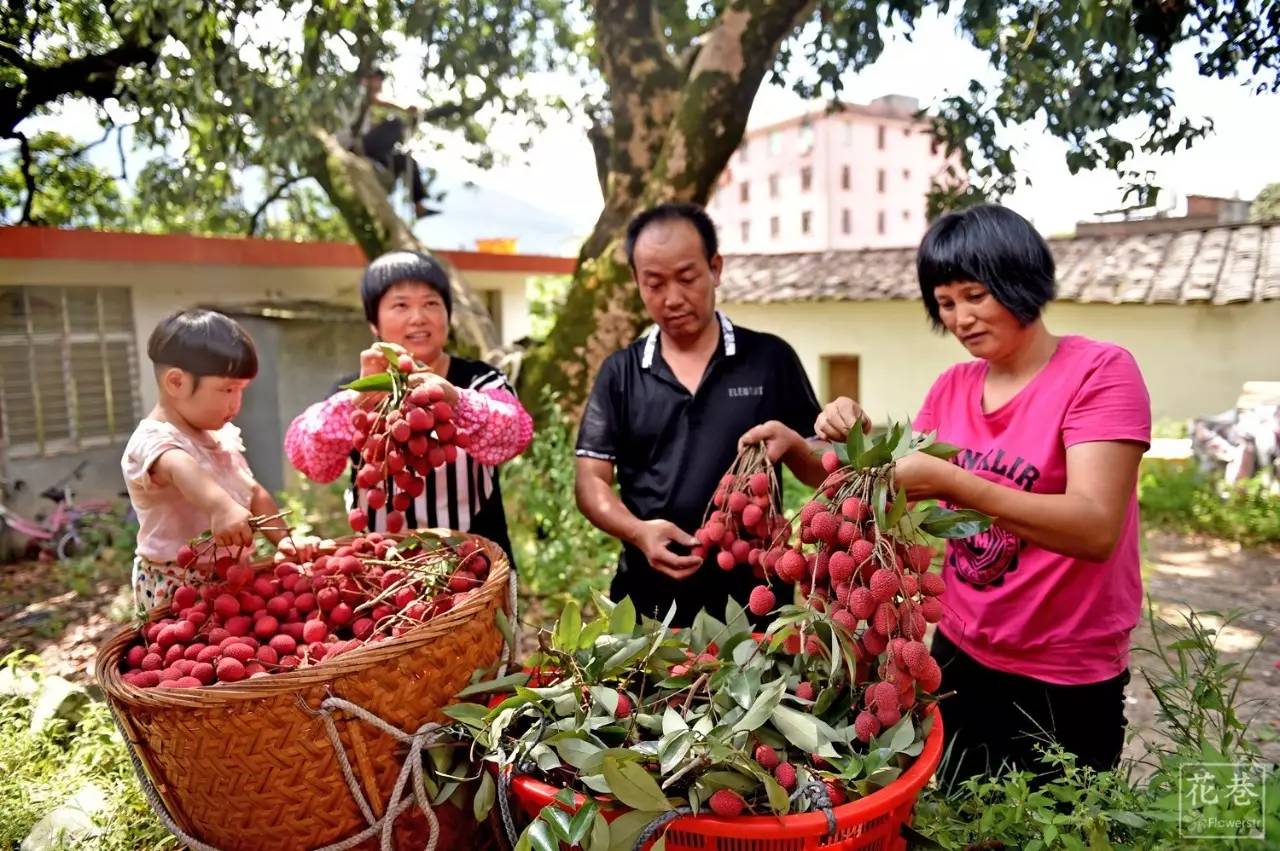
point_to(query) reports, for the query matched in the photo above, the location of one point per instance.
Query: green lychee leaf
(949, 523)
(568, 627)
(634, 786)
(381, 382)
(622, 620)
(855, 443)
(945, 451)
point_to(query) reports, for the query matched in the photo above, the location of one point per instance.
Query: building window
(775, 142)
(806, 136)
(745, 229)
(880, 222)
(846, 221)
(840, 377)
(806, 178)
(846, 177)
(906, 215)
(880, 181)
(806, 220)
(906, 174)
(773, 186)
(880, 137)
(775, 227)
(906, 131)
(68, 368)
(744, 191)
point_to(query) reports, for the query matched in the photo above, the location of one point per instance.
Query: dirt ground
(1183, 574)
(62, 616)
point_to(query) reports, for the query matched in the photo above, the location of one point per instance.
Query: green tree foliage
(1266, 207)
(680, 78)
(74, 192)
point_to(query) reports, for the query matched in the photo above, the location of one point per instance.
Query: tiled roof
(1218, 265)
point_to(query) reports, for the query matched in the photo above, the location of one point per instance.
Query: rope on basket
(422, 737)
(651, 829)
(511, 648)
(152, 796)
(396, 806)
(817, 793)
(504, 797)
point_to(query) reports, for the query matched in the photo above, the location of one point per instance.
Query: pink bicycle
(73, 529)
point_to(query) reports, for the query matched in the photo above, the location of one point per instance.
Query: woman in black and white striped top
(407, 301)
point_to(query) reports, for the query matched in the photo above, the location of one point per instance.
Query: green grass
(1177, 497)
(41, 770)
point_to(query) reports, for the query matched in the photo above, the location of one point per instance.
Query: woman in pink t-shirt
(1038, 610)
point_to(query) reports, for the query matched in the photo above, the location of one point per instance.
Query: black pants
(709, 588)
(996, 719)
(380, 146)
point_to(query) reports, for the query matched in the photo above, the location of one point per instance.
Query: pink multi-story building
(856, 178)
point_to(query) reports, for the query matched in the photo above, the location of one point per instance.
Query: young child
(184, 465)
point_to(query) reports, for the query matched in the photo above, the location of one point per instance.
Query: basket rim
(110, 651)
(882, 801)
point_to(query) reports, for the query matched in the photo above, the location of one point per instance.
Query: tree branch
(598, 134)
(91, 76)
(124, 171)
(359, 197)
(271, 198)
(24, 147)
(78, 152)
(644, 90)
(723, 82)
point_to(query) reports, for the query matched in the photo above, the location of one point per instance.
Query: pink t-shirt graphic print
(1011, 605)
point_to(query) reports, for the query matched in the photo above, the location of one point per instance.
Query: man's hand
(779, 440)
(652, 538)
(229, 523)
(838, 418)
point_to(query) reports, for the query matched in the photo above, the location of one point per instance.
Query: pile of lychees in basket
(401, 440)
(249, 621)
(859, 553)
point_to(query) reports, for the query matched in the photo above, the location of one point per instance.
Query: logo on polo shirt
(738, 392)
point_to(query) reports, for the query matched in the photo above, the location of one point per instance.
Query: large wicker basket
(250, 766)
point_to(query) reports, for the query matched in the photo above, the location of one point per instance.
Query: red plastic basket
(873, 823)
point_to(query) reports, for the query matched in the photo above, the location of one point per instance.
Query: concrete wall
(1194, 357)
(300, 362)
(310, 356)
(100, 478)
(160, 288)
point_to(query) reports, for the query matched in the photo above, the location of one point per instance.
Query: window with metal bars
(68, 368)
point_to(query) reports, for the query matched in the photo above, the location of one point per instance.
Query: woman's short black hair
(203, 342)
(997, 248)
(668, 212)
(394, 267)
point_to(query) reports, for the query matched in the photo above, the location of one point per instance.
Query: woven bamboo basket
(249, 765)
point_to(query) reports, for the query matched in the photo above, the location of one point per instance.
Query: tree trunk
(355, 190)
(676, 136)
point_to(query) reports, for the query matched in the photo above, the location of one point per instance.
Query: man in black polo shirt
(668, 412)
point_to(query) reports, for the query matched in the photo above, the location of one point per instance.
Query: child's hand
(298, 547)
(229, 523)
